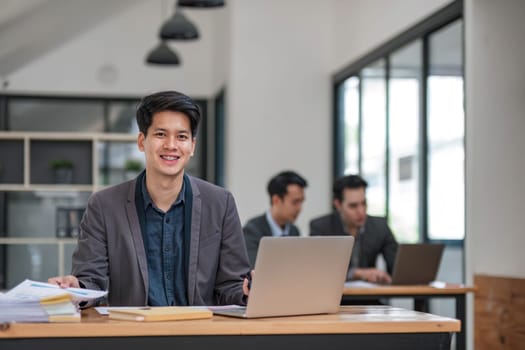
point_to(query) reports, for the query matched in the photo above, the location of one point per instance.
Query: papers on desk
(53, 309)
(441, 284)
(32, 301)
(15, 310)
(32, 289)
(364, 284)
(361, 284)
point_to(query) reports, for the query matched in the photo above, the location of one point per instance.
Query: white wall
(495, 95)
(362, 25)
(279, 107)
(109, 57)
(495, 121)
(221, 47)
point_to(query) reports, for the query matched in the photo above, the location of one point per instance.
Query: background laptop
(417, 263)
(297, 276)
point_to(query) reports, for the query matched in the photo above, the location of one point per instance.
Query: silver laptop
(417, 263)
(296, 276)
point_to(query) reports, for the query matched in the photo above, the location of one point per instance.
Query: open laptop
(296, 276)
(417, 263)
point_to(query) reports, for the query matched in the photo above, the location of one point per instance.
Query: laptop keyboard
(236, 311)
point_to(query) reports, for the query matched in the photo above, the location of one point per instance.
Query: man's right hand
(246, 285)
(372, 275)
(65, 281)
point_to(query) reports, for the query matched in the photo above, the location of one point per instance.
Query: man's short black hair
(167, 101)
(279, 183)
(348, 181)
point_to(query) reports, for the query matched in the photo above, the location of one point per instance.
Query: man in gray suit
(372, 234)
(286, 191)
(164, 238)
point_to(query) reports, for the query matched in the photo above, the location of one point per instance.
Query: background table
(421, 294)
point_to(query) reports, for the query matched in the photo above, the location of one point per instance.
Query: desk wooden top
(451, 289)
(350, 319)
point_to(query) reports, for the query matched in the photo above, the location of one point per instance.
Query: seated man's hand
(372, 275)
(65, 281)
(247, 283)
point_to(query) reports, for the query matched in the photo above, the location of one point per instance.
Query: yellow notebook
(160, 313)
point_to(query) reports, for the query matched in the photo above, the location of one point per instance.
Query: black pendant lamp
(178, 27)
(162, 54)
(201, 3)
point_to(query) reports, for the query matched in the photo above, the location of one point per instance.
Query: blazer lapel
(196, 212)
(134, 209)
(266, 229)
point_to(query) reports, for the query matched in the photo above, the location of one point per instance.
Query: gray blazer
(255, 229)
(110, 253)
(377, 238)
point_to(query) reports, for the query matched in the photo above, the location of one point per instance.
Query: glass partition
(351, 125)
(446, 129)
(373, 135)
(404, 88)
(400, 123)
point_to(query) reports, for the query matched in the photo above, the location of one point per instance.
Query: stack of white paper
(32, 301)
(15, 310)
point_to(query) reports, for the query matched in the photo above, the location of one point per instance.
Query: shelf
(30, 254)
(26, 159)
(65, 136)
(36, 240)
(48, 188)
(12, 161)
(78, 153)
(42, 210)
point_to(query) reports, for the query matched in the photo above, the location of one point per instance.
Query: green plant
(133, 165)
(61, 164)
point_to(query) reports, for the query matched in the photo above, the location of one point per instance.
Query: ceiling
(31, 28)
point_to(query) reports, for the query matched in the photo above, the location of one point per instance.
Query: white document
(37, 290)
(104, 310)
(361, 284)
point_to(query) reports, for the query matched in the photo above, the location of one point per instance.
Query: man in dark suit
(372, 235)
(164, 238)
(286, 191)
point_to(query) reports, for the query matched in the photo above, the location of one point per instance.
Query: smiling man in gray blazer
(164, 238)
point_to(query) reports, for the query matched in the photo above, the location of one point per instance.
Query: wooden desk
(421, 295)
(354, 327)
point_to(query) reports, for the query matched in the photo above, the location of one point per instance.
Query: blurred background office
(323, 87)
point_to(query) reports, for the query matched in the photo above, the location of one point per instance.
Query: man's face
(353, 207)
(169, 144)
(289, 207)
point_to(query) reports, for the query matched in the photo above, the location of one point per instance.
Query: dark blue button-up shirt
(164, 244)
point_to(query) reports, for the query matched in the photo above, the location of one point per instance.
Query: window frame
(421, 31)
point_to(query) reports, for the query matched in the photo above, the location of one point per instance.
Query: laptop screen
(417, 263)
(298, 276)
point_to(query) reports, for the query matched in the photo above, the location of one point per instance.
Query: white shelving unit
(28, 188)
(60, 242)
(26, 138)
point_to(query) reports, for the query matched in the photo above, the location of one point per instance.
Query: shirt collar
(275, 228)
(147, 198)
(360, 230)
